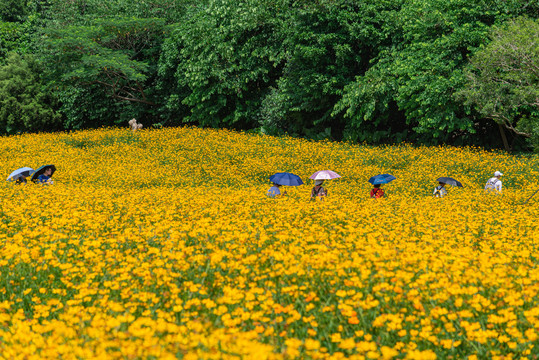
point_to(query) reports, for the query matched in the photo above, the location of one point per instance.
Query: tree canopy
(503, 77)
(24, 103)
(380, 71)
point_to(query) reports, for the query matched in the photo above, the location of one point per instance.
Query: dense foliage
(376, 71)
(24, 104)
(224, 57)
(111, 61)
(503, 78)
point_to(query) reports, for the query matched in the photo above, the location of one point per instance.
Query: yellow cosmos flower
(163, 244)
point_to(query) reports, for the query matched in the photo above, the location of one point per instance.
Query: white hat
(318, 182)
(497, 173)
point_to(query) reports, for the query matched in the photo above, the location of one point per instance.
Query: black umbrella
(449, 181)
(41, 170)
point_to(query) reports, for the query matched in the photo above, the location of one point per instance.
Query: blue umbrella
(287, 179)
(381, 179)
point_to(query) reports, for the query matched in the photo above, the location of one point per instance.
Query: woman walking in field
(377, 181)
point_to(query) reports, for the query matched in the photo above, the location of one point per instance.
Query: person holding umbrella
(43, 174)
(318, 190)
(319, 178)
(20, 175)
(440, 190)
(377, 192)
(284, 178)
(274, 191)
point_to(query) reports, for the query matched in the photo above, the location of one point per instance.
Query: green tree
(503, 78)
(223, 58)
(326, 44)
(419, 72)
(24, 103)
(19, 36)
(13, 10)
(9, 38)
(63, 13)
(91, 106)
(119, 56)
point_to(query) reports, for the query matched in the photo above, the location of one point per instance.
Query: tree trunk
(504, 138)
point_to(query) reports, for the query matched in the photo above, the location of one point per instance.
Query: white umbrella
(20, 173)
(324, 175)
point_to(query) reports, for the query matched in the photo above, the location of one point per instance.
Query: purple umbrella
(324, 175)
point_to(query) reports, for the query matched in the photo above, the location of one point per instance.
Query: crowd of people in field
(493, 185)
(43, 175)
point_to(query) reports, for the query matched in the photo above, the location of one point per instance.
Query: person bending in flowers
(440, 190)
(377, 192)
(274, 191)
(45, 178)
(318, 190)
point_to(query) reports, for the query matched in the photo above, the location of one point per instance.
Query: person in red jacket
(377, 192)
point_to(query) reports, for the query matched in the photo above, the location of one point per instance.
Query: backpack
(491, 185)
(438, 191)
(320, 192)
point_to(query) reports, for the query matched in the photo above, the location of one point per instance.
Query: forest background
(459, 72)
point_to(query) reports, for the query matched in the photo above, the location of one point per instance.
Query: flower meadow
(161, 244)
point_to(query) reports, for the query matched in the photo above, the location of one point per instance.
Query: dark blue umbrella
(41, 170)
(381, 179)
(449, 181)
(287, 179)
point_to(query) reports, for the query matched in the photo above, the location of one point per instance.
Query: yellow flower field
(162, 245)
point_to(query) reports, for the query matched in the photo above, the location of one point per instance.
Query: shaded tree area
(111, 61)
(377, 71)
(326, 44)
(13, 10)
(503, 79)
(223, 60)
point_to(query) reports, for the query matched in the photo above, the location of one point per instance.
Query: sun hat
(318, 182)
(497, 173)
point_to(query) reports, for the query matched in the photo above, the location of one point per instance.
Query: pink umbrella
(324, 175)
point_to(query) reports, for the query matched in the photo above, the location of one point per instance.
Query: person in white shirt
(440, 190)
(494, 184)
